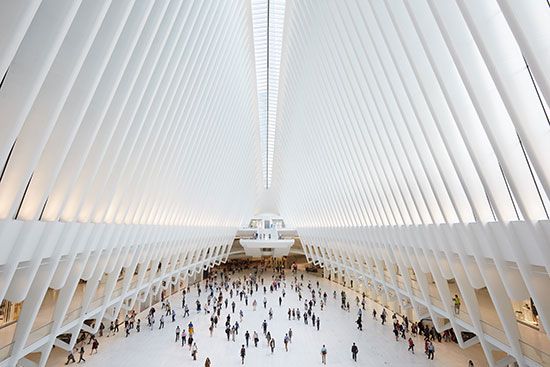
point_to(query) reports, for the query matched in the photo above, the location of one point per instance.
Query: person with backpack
(354, 351)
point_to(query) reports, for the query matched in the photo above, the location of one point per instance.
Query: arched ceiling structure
(406, 141)
(413, 139)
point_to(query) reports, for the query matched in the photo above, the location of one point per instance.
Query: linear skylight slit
(268, 20)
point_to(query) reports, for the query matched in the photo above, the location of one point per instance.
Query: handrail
(5, 351)
(530, 351)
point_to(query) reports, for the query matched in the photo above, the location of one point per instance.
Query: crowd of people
(227, 294)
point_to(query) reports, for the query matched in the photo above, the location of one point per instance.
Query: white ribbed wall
(128, 138)
(415, 135)
(412, 137)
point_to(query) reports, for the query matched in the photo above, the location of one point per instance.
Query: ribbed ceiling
(398, 137)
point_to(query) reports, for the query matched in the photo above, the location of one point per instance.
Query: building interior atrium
(169, 162)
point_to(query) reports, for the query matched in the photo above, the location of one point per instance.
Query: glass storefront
(526, 312)
(9, 312)
(255, 223)
(278, 223)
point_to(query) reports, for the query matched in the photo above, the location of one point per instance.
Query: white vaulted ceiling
(128, 112)
(413, 137)
(392, 134)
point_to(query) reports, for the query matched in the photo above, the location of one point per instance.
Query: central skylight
(268, 20)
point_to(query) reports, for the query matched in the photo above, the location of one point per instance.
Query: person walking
(411, 345)
(456, 301)
(243, 353)
(256, 339)
(268, 338)
(272, 345)
(70, 358)
(324, 354)
(194, 351)
(186, 311)
(190, 342)
(178, 331)
(470, 363)
(431, 350)
(247, 337)
(286, 340)
(81, 358)
(354, 351)
(95, 345)
(207, 362)
(183, 338)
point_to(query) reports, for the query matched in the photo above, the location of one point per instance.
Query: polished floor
(377, 346)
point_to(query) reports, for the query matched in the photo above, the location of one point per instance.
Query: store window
(9, 312)
(255, 223)
(526, 313)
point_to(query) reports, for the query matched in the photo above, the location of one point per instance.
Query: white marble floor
(377, 346)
